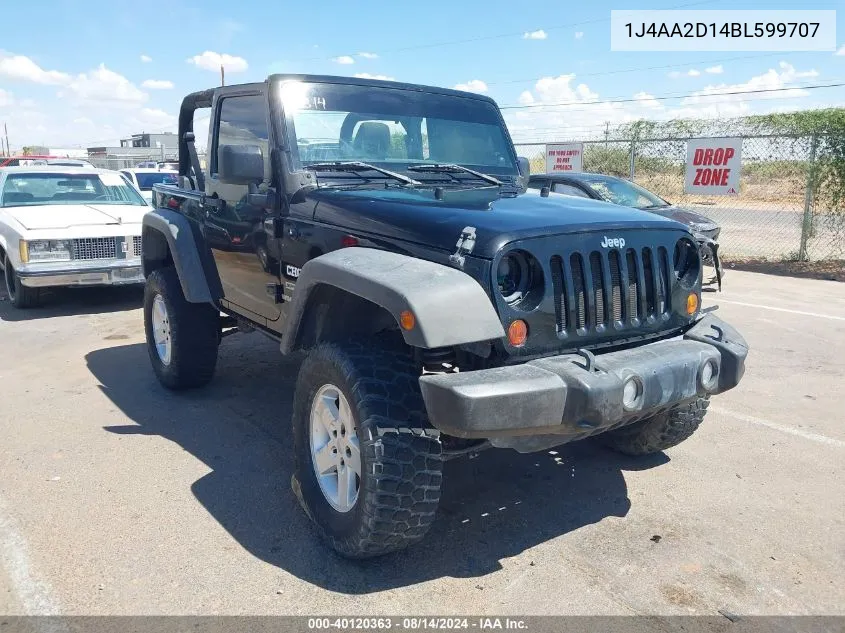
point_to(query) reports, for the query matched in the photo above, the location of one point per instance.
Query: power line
(668, 97)
(640, 68)
(485, 38)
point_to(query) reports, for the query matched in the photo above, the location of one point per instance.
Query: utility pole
(6, 130)
(222, 76)
(606, 133)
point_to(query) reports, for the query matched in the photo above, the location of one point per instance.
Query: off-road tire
(660, 431)
(401, 455)
(194, 332)
(20, 296)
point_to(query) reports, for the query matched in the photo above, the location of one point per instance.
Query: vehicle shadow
(73, 301)
(494, 506)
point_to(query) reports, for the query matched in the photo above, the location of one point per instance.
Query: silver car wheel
(161, 330)
(335, 450)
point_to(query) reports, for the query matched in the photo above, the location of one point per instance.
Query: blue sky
(89, 73)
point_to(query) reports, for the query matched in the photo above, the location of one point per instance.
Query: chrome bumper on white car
(81, 273)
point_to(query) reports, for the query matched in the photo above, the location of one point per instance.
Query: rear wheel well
(332, 314)
(155, 251)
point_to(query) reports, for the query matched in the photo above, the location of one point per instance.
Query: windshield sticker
(112, 180)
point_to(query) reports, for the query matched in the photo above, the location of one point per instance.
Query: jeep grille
(609, 288)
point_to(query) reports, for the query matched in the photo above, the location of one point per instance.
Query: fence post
(633, 158)
(807, 224)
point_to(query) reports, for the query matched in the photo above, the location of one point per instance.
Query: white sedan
(145, 178)
(67, 226)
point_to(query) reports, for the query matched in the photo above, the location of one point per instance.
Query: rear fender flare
(449, 307)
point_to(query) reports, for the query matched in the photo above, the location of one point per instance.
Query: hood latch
(465, 244)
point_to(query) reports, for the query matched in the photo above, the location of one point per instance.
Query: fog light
(709, 374)
(632, 393)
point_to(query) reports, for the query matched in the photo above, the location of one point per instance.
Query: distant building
(166, 140)
(140, 145)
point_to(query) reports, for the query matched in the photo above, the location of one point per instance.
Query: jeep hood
(415, 215)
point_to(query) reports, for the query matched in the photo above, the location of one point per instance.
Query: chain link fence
(778, 213)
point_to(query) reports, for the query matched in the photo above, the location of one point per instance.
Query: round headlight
(512, 277)
(687, 262)
(519, 279)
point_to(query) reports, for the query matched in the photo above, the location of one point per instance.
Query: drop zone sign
(564, 157)
(713, 166)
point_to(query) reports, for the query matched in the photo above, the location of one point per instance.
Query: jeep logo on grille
(613, 242)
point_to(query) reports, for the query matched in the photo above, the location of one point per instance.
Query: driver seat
(372, 140)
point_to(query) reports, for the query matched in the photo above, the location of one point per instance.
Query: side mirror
(524, 172)
(240, 164)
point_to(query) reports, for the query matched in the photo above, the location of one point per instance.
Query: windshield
(23, 190)
(625, 193)
(394, 128)
(146, 181)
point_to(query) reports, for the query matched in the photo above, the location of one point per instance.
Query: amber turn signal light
(407, 320)
(517, 333)
(692, 303)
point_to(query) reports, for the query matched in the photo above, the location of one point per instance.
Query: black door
(237, 231)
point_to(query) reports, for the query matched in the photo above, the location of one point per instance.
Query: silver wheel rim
(161, 329)
(335, 450)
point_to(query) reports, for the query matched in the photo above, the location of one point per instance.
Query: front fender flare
(449, 306)
(199, 280)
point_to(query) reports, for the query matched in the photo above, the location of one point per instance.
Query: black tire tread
(401, 496)
(194, 330)
(22, 297)
(660, 431)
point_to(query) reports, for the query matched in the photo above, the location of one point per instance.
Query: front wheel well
(333, 314)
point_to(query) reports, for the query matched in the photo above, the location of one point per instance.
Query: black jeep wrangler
(386, 230)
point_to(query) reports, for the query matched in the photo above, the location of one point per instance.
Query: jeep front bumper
(573, 396)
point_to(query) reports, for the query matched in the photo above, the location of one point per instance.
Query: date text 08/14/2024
(422, 623)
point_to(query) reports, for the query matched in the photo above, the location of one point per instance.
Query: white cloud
(369, 76)
(368, 55)
(560, 108)
(157, 84)
(703, 103)
(579, 35)
(146, 59)
(715, 70)
(535, 35)
(841, 51)
(104, 85)
(209, 60)
(23, 68)
(6, 98)
(83, 120)
(692, 72)
(344, 59)
(473, 85)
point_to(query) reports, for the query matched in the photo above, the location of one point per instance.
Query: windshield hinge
(465, 244)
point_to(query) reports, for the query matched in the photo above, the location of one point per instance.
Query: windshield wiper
(359, 166)
(451, 167)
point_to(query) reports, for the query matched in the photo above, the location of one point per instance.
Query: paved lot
(117, 497)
